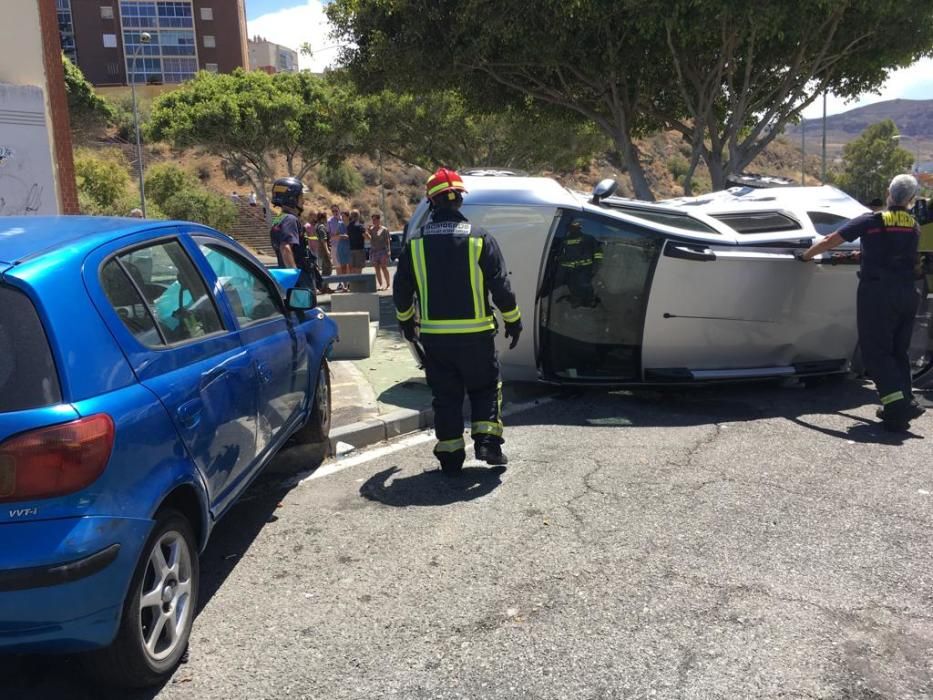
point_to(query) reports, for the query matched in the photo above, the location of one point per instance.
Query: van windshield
(27, 372)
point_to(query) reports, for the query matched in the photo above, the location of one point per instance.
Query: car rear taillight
(55, 461)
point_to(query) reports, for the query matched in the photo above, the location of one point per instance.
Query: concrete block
(360, 434)
(356, 302)
(363, 283)
(356, 335)
(401, 421)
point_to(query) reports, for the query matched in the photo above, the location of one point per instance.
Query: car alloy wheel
(165, 610)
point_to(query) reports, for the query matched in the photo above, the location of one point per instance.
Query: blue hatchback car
(148, 371)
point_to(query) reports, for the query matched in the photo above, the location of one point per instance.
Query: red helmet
(444, 180)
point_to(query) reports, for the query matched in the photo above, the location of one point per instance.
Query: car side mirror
(299, 299)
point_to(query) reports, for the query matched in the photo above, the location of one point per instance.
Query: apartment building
(270, 57)
(104, 38)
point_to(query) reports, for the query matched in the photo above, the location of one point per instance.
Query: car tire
(164, 590)
(317, 428)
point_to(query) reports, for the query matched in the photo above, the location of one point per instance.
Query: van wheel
(317, 428)
(158, 611)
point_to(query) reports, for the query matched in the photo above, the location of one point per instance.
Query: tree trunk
(636, 173)
(717, 172)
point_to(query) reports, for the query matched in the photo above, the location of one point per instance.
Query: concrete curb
(390, 425)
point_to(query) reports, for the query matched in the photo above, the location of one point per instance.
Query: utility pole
(803, 150)
(144, 38)
(823, 168)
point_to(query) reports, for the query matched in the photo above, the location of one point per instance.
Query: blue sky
(257, 8)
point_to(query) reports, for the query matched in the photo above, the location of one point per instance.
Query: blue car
(148, 371)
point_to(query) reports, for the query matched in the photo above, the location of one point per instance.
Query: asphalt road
(747, 542)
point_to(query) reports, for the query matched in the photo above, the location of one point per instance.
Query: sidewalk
(386, 394)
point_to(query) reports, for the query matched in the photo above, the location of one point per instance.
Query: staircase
(250, 228)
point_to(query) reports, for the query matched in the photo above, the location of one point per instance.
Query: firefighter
(579, 260)
(446, 272)
(287, 234)
(887, 297)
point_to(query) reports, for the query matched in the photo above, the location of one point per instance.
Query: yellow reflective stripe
(444, 185)
(892, 397)
(511, 316)
(455, 445)
(485, 427)
(405, 315)
(462, 326)
(476, 277)
(421, 274)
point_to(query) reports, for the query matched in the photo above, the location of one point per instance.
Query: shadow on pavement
(733, 403)
(55, 677)
(431, 488)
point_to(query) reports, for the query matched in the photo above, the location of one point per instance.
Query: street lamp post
(144, 38)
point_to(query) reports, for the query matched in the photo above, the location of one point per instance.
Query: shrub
(201, 206)
(340, 178)
(165, 180)
(678, 166)
(103, 181)
(203, 172)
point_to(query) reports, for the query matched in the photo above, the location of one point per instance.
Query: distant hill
(913, 118)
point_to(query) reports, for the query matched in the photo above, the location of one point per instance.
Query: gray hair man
(887, 297)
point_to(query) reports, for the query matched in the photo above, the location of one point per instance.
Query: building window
(171, 54)
(210, 67)
(106, 11)
(110, 41)
(66, 30)
(207, 14)
(209, 42)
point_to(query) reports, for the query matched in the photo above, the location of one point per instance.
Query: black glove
(407, 329)
(513, 331)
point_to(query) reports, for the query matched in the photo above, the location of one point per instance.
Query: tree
(727, 74)
(591, 58)
(180, 195)
(872, 160)
(743, 69)
(250, 118)
(86, 108)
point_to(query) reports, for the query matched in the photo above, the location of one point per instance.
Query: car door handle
(189, 413)
(689, 253)
(265, 376)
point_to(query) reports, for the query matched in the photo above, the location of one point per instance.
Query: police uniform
(448, 270)
(887, 302)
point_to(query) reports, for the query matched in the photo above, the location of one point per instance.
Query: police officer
(887, 297)
(287, 234)
(448, 269)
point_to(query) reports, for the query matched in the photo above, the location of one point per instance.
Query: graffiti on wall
(27, 186)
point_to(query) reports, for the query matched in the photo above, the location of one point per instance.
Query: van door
(594, 297)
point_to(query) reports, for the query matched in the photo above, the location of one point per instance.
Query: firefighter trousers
(886, 312)
(458, 364)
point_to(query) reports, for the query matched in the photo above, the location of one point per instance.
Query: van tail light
(55, 461)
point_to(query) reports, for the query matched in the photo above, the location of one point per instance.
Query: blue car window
(129, 305)
(252, 297)
(27, 372)
(174, 292)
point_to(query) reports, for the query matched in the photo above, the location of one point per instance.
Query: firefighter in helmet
(446, 273)
(287, 234)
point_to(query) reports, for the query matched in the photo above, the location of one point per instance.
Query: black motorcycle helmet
(286, 191)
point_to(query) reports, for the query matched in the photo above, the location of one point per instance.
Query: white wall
(27, 169)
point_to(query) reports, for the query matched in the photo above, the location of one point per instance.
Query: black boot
(451, 462)
(490, 453)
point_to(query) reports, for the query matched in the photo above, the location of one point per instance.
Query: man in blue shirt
(887, 297)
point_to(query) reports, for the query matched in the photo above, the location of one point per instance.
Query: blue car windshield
(28, 378)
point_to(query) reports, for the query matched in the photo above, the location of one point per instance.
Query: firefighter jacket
(451, 268)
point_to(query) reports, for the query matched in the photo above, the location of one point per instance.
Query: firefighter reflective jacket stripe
(449, 269)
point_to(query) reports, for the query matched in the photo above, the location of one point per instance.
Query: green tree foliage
(743, 70)
(727, 74)
(439, 128)
(180, 195)
(201, 205)
(339, 177)
(871, 161)
(103, 182)
(249, 118)
(86, 108)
